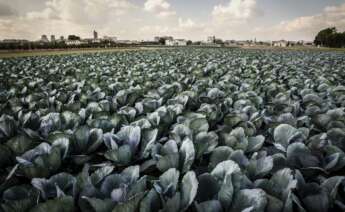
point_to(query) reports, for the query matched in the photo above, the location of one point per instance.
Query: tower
(95, 35)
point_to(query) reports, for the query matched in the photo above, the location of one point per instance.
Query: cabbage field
(190, 129)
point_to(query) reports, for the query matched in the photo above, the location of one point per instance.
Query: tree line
(330, 37)
(32, 45)
(58, 45)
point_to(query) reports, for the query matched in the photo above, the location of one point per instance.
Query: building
(95, 35)
(305, 43)
(128, 42)
(181, 42)
(44, 39)
(176, 42)
(169, 42)
(110, 39)
(75, 42)
(52, 38)
(96, 41)
(308, 43)
(281, 43)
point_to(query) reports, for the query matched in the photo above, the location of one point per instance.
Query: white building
(176, 42)
(169, 42)
(96, 41)
(307, 43)
(281, 43)
(75, 42)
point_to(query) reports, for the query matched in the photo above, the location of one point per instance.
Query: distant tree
(161, 41)
(219, 41)
(189, 42)
(329, 37)
(73, 37)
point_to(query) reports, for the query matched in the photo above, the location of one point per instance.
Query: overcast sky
(191, 19)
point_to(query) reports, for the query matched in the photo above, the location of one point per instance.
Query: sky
(190, 19)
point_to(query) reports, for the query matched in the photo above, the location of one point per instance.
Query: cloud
(189, 23)
(7, 11)
(83, 11)
(236, 11)
(331, 16)
(24, 28)
(232, 19)
(47, 13)
(156, 29)
(67, 17)
(159, 7)
(306, 27)
(181, 28)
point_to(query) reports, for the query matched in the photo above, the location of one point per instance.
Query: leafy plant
(207, 130)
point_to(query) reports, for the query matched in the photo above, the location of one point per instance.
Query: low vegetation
(206, 130)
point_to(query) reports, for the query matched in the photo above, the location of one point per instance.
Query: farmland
(52, 52)
(190, 129)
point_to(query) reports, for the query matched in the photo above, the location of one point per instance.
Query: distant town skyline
(189, 19)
